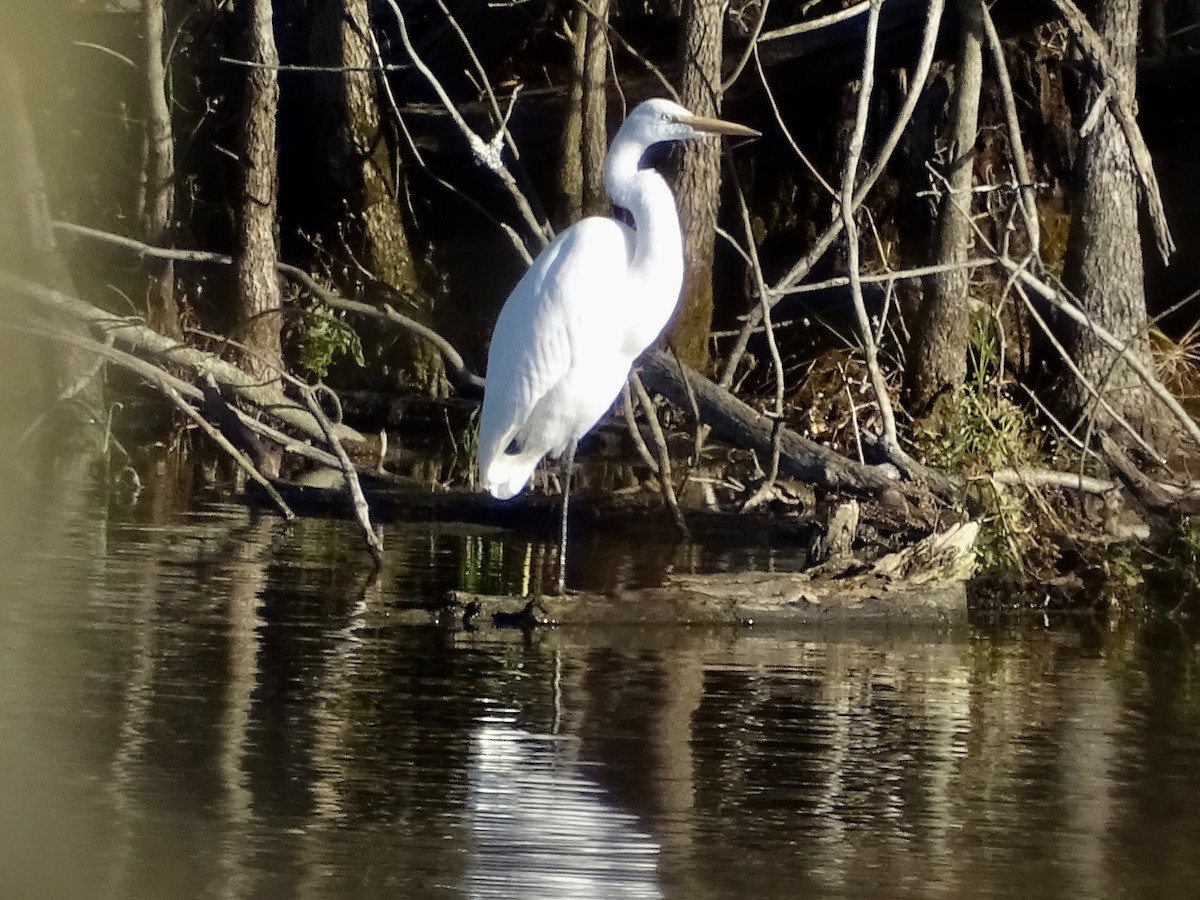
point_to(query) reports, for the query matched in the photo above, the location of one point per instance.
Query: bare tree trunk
(157, 198)
(938, 355)
(699, 179)
(259, 297)
(1103, 266)
(28, 247)
(1155, 19)
(585, 135)
(362, 165)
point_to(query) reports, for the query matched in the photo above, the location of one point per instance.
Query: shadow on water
(208, 703)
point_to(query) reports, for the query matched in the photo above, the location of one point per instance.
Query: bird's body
(552, 392)
(592, 301)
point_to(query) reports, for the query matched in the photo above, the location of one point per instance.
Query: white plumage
(592, 301)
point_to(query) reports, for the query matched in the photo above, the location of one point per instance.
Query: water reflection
(541, 829)
(211, 704)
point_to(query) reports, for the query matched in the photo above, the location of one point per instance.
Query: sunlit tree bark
(157, 198)
(585, 135)
(938, 355)
(1103, 266)
(258, 290)
(699, 179)
(362, 169)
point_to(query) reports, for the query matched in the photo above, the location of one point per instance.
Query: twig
(699, 429)
(167, 384)
(1075, 314)
(487, 152)
(787, 132)
(362, 512)
(891, 443)
(386, 312)
(665, 483)
(751, 48)
(1015, 140)
(635, 433)
(854, 418)
(933, 18)
(264, 395)
(816, 24)
(242, 460)
(615, 36)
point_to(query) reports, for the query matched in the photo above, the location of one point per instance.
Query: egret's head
(659, 120)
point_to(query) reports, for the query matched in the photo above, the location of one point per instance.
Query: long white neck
(658, 244)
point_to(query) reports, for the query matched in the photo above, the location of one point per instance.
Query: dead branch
(362, 512)
(665, 481)
(891, 443)
(489, 153)
(167, 384)
(1015, 140)
(800, 457)
(816, 24)
(243, 461)
(1059, 301)
(264, 394)
(933, 18)
(385, 312)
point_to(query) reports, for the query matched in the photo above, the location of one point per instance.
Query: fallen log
(922, 584)
(267, 396)
(741, 425)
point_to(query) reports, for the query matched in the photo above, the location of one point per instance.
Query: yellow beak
(719, 126)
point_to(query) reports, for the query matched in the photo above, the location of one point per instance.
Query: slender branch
(242, 460)
(167, 384)
(665, 481)
(891, 443)
(751, 49)
(265, 394)
(1074, 313)
(1016, 141)
(385, 313)
(635, 433)
(281, 67)
(817, 24)
(362, 512)
(933, 18)
(488, 153)
(787, 132)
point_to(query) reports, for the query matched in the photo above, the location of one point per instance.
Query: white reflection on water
(541, 829)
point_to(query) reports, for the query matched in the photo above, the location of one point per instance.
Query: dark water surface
(209, 704)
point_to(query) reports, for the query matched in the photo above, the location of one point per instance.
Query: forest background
(953, 279)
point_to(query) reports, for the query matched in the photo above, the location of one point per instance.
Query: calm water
(209, 704)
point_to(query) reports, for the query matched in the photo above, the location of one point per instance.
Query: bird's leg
(568, 465)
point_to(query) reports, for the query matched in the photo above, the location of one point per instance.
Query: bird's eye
(666, 117)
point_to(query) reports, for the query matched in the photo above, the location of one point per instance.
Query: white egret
(592, 301)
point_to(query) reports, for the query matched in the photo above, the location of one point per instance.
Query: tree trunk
(1155, 18)
(157, 200)
(361, 166)
(585, 135)
(938, 355)
(1103, 265)
(28, 247)
(699, 181)
(258, 292)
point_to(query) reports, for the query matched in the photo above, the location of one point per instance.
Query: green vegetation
(323, 338)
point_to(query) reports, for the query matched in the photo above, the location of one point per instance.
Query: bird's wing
(562, 310)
